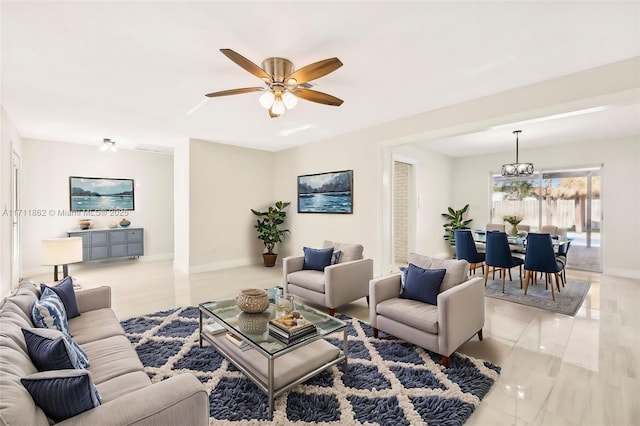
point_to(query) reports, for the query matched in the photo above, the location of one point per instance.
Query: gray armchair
(442, 328)
(338, 284)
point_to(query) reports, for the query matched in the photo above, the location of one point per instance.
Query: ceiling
(137, 72)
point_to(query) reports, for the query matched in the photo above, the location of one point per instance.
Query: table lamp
(61, 251)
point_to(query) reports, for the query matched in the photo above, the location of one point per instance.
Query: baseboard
(224, 265)
(621, 272)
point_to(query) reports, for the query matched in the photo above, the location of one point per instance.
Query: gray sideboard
(101, 244)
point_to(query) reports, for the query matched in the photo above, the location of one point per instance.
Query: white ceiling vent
(155, 148)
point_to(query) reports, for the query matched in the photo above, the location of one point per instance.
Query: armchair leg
(445, 360)
(375, 332)
(367, 300)
(480, 334)
(332, 312)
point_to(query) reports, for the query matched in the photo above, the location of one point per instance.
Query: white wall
(46, 167)
(620, 193)
(357, 152)
(11, 141)
(181, 206)
(225, 183)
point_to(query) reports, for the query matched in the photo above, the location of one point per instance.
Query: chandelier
(517, 169)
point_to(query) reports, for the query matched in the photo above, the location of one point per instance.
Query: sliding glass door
(567, 199)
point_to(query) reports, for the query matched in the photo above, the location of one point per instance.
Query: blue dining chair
(561, 255)
(466, 249)
(540, 257)
(498, 255)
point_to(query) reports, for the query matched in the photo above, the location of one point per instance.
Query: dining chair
(549, 229)
(561, 255)
(466, 249)
(540, 257)
(499, 256)
(526, 228)
(495, 227)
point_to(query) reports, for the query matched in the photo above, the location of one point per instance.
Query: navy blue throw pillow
(317, 259)
(66, 293)
(51, 349)
(423, 284)
(62, 393)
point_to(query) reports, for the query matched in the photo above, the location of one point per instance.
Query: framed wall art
(330, 192)
(90, 193)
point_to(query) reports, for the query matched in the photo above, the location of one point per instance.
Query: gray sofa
(128, 396)
(440, 328)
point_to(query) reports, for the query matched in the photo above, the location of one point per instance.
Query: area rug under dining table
(388, 381)
(568, 300)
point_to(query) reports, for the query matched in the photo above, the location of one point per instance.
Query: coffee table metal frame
(270, 347)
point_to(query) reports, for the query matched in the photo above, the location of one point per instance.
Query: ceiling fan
(283, 86)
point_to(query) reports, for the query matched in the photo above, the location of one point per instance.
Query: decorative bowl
(124, 223)
(253, 300)
(84, 223)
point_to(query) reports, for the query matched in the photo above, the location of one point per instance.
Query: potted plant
(455, 221)
(268, 227)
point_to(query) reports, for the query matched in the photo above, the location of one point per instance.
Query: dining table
(518, 243)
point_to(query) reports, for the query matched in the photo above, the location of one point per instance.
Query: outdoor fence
(561, 213)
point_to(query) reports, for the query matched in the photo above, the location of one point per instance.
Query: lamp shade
(61, 251)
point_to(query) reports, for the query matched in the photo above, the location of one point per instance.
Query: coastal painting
(330, 192)
(89, 193)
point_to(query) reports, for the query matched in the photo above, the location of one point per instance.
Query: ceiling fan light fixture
(266, 100)
(108, 144)
(278, 106)
(290, 100)
(517, 169)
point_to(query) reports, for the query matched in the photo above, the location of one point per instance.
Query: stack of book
(244, 346)
(288, 330)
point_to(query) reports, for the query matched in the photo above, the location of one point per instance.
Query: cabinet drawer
(98, 238)
(134, 236)
(134, 249)
(119, 250)
(117, 237)
(98, 253)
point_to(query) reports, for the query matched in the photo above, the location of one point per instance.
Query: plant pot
(269, 259)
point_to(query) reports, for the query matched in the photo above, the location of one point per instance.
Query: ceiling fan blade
(315, 70)
(235, 91)
(247, 65)
(315, 96)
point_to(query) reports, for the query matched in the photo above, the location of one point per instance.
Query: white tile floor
(556, 369)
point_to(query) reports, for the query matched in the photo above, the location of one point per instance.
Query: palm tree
(576, 188)
(519, 189)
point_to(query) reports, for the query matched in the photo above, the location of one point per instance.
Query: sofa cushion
(53, 350)
(111, 357)
(25, 295)
(95, 325)
(457, 270)
(418, 315)
(122, 385)
(317, 259)
(349, 251)
(312, 280)
(422, 285)
(66, 293)
(48, 312)
(62, 393)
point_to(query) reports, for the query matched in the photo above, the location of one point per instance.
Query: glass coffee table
(275, 367)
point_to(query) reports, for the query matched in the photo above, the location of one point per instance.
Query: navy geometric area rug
(387, 382)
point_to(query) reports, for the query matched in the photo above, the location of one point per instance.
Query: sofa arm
(460, 314)
(346, 282)
(291, 264)
(179, 400)
(381, 289)
(94, 298)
